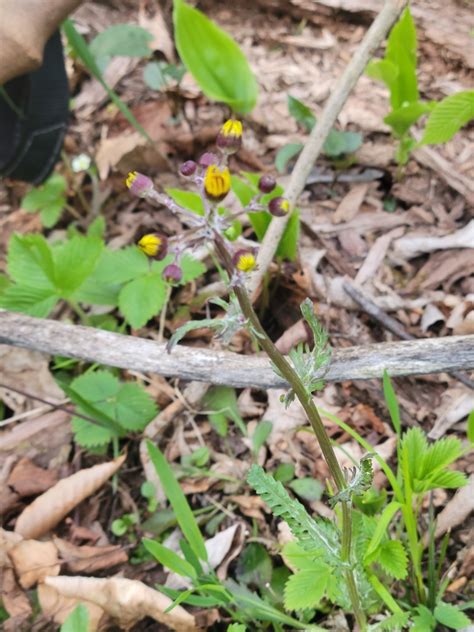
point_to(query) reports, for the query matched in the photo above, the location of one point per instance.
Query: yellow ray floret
(217, 182)
(246, 262)
(130, 179)
(232, 128)
(150, 244)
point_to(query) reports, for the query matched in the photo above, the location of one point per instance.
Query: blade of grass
(81, 49)
(177, 499)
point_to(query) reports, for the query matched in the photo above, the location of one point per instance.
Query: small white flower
(81, 163)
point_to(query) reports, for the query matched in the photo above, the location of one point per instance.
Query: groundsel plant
(344, 579)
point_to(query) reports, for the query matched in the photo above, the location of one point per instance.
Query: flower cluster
(211, 176)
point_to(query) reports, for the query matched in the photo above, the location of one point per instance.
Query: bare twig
(391, 324)
(374, 36)
(433, 355)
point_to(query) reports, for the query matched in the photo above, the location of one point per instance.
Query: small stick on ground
(372, 40)
(391, 324)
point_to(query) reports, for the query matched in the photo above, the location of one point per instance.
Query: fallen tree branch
(431, 355)
(339, 95)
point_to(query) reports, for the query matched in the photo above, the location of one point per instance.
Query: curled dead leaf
(57, 608)
(125, 600)
(33, 561)
(50, 508)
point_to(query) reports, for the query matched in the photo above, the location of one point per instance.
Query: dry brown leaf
(89, 559)
(14, 599)
(251, 506)
(157, 27)
(411, 246)
(350, 204)
(27, 479)
(376, 256)
(112, 150)
(57, 608)
(50, 508)
(33, 561)
(127, 601)
(46, 440)
(457, 509)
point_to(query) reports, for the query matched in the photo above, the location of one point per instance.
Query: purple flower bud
(279, 207)
(172, 273)
(208, 159)
(266, 184)
(188, 168)
(139, 184)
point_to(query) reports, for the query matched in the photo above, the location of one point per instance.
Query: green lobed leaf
(49, 199)
(177, 499)
(382, 526)
(77, 621)
(119, 266)
(451, 617)
(28, 300)
(142, 299)
(214, 59)
(448, 117)
(306, 588)
(30, 262)
(134, 408)
(393, 559)
(74, 261)
(169, 559)
(89, 435)
(423, 620)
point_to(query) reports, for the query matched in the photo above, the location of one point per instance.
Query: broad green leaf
(187, 199)
(192, 269)
(285, 154)
(383, 70)
(74, 261)
(401, 51)
(446, 479)
(127, 40)
(153, 76)
(424, 620)
(77, 621)
(81, 49)
(169, 559)
(439, 455)
(307, 488)
(451, 617)
(134, 408)
(254, 565)
(301, 113)
(37, 302)
(177, 499)
(448, 116)
(49, 199)
(414, 446)
(119, 266)
(222, 401)
(91, 291)
(296, 557)
(306, 588)
(393, 559)
(142, 299)
(288, 246)
(97, 228)
(392, 402)
(401, 119)
(340, 143)
(89, 435)
(214, 59)
(285, 472)
(30, 262)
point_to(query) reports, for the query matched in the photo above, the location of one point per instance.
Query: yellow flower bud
(217, 182)
(154, 245)
(229, 138)
(244, 260)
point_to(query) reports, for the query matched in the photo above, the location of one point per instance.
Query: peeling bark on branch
(417, 357)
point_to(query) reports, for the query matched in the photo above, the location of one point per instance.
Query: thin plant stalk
(314, 418)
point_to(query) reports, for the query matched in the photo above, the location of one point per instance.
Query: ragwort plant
(352, 562)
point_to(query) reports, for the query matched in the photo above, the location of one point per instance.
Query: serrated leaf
(134, 408)
(447, 480)
(74, 261)
(298, 558)
(77, 621)
(393, 623)
(119, 266)
(192, 268)
(448, 117)
(30, 262)
(450, 616)
(413, 448)
(306, 588)
(393, 559)
(49, 199)
(424, 620)
(310, 534)
(382, 526)
(169, 559)
(191, 325)
(142, 299)
(178, 501)
(29, 300)
(214, 59)
(90, 435)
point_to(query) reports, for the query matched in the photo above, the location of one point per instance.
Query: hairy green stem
(315, 420)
